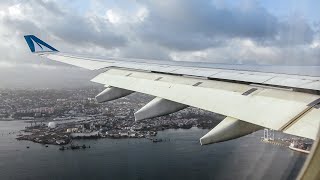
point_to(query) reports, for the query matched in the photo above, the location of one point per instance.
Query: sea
(179, 156)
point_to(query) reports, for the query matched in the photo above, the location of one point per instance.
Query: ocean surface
(179, 157)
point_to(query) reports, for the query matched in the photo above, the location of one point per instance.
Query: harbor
(298, 144)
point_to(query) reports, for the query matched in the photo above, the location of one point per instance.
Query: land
(74, 113)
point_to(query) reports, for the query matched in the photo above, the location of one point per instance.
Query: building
(52, 125)
(71, 130)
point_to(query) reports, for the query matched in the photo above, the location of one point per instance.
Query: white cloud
(2, 14)
(113, 17)
(316, 42)
(142, 13)
(15, 11)
(126, 18)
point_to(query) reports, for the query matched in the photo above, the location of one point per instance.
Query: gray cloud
(175, 25)
(295, 31)
(138, 49)
(176, 29)
(21, 26)
(200, 24)
(56, 21)
(81, 31)
(49, 6)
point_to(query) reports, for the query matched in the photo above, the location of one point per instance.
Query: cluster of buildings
(76, 114)
(46, 103)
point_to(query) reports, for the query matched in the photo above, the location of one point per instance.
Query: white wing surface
(283, 98)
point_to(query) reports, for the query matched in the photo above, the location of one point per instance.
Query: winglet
(37, 45)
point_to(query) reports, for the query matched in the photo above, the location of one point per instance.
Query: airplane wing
(283, 98)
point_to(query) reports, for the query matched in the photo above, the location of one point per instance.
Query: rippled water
(180, 158)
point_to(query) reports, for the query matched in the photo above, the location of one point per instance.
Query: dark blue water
(180, 158)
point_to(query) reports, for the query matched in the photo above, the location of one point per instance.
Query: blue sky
(306, 8)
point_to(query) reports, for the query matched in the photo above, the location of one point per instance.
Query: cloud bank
(211, 31)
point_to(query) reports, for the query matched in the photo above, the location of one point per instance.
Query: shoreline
(45, 136)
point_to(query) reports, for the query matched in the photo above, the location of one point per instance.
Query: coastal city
(58, 116)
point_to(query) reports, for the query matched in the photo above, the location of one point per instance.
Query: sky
(266, 32)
